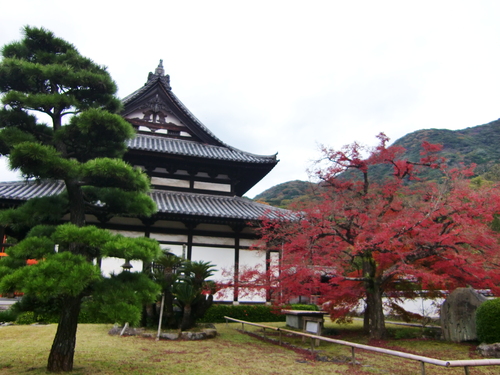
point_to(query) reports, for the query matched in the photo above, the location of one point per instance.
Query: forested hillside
(287, 193)
(478, 144)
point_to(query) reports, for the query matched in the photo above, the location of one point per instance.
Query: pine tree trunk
(63, 348)
(76, 203)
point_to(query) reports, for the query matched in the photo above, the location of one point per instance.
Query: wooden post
(124, 329)
(422, 364)
(353, 355)
(280, 337)
(466, 368)
(161, 316)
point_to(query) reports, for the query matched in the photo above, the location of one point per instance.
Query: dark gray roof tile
(168, 202)
(231, 207)
(173, 146)
(24, 190)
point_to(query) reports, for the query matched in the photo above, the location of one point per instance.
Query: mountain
(479, 144)
(287, 193)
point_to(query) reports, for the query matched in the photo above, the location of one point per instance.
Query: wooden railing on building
(423, 360)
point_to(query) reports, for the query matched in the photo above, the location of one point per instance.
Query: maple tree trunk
(375, 312)
(374, 306)
(63, 348)
(366, 319)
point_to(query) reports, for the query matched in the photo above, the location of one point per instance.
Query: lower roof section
(168, 202)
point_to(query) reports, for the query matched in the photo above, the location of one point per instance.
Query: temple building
(198, 183)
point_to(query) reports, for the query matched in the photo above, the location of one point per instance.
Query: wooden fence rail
(423, 360)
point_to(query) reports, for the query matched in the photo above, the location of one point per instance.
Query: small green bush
(27, 317)
(405, 333)
(488, 321)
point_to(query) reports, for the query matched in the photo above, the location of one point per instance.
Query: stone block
(458, 315)
(489, 350)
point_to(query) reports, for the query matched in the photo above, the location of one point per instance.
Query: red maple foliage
(367, 240)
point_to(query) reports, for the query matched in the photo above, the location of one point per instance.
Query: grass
(24, 349)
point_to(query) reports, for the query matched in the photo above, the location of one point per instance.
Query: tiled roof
(168, 202)
(231, 207)
(24, 190)
(195, 149)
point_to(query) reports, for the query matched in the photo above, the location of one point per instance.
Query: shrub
(488, 321)
(91, 313)
(8, 316)
(27, 317)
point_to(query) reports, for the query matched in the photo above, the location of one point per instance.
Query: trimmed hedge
(7, 316)
(250, 313)
(298, 306)
(488, 321)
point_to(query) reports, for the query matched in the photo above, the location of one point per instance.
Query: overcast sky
(286, 76)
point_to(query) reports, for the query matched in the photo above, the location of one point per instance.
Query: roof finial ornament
(160, 75)
(160, 71)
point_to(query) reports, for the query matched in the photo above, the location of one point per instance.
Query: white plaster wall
(160, 181)
(247, 243)
(174, 249)
(253, 258)
(223, 259)
(212, 186)
(213, 240)
(169, 237)
(250, 259)
(426, 307)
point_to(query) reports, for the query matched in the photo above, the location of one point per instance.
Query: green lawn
(24, 349)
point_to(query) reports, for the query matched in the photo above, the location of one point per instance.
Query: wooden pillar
(2, 238)
(189, 244)
(268, 281)
(236, 267)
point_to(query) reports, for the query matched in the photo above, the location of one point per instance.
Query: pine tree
(81, 145)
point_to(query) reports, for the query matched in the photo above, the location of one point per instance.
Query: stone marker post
(458, 315)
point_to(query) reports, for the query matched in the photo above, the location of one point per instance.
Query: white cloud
(284, 76)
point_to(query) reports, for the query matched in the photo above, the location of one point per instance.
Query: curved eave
(171, 146)
(24, 190)
(170, 204)
(210, 206)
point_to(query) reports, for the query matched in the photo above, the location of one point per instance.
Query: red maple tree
(367, 240)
